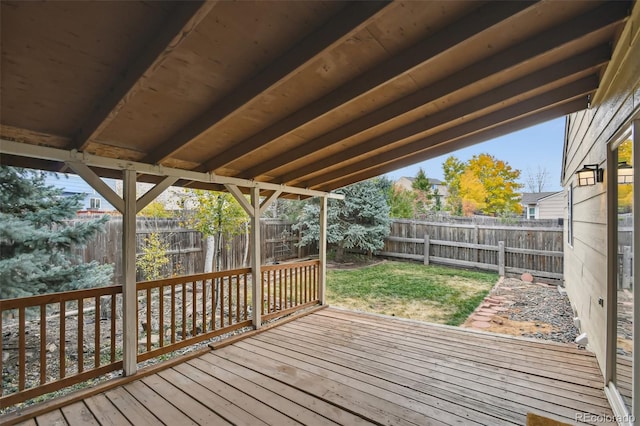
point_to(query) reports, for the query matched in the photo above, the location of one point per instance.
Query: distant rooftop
(534, 197)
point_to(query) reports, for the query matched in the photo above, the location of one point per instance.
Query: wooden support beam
(576, 28)
(322, 287)
(18, 149)
(256, 272)
(180, 22)
(581, 64)
(96, 183)
(241, 199)
(352, 19)
(448, 146)
(529, 106)
(267, 201)
(129, 292)
(154, 192)
(479, 20)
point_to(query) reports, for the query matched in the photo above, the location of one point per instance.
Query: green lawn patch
(410, 290)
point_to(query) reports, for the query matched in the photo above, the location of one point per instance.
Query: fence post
(626, 266)
(501, 266)
(426, 249)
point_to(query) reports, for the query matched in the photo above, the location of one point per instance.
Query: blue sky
(528, 149)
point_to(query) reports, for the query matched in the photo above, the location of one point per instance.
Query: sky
(525, 150)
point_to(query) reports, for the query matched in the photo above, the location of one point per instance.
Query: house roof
(534, 197)
(314, 94)
(432, 181)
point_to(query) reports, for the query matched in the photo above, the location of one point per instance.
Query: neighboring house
(172, 198)
(406, 183)
(72, 184)
(543, 205)
(598, 253)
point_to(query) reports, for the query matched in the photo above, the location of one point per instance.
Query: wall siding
(552, 207)
(588, 132)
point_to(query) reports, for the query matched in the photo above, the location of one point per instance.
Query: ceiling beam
(475, 22)
(98, 162)
(180, 22)
(579, 64)
(351, 19)
(576, 28)
(447, 147)
(570, 91)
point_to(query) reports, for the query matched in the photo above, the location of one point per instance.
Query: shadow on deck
(337, 366)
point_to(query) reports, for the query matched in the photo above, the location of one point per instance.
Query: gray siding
(552, 207)
(587, 135)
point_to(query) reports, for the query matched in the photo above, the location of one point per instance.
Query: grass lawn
(410, 290)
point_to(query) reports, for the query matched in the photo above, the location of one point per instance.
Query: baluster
(204, 306)
(230, 302)
(238, 298)
(148, 319)
(96, 337)
(246, 314)
(221, 297)
(214, 305)
(43, 344)
(114, 300)
(62, 332)
(21, 348)
(173, 313)
(184, 311)
(1, 354)
(194, 308)
(80, 335)
(194, 304)
(161, 319)
(280, 289)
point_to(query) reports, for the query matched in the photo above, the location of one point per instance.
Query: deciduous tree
(216, 215)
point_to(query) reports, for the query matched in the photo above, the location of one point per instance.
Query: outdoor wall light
(590, 174)
(625, 172)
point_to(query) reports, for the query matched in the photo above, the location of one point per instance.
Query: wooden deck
(342, 367)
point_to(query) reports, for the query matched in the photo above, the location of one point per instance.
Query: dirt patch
(354, 261)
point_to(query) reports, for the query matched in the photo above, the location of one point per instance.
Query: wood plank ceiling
(310, 94)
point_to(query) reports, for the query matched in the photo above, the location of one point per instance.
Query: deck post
(323, 251)
(129, 293)
(256, 271)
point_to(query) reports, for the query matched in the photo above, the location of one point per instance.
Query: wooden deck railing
(178, 312)
(78, 328)
(82, 330)
(289, 287)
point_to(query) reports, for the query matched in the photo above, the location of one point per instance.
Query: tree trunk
(339, 253)
(209, 250)
(246, 245)
(219, 251)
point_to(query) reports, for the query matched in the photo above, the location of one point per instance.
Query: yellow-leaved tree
(472, 193)
(483, 184)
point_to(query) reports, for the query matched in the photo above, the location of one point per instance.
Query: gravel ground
(547, 308)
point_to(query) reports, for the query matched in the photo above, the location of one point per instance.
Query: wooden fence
(186, 246)
(504, 249)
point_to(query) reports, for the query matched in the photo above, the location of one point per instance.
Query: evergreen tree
(360, 221)
(36, 241)
(424, 193)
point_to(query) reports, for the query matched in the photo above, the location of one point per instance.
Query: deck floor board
(341, 367)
